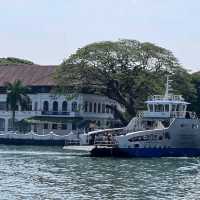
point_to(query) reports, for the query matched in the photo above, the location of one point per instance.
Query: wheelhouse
(161, 107)
(166, 106)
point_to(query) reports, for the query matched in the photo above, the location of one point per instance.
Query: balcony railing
(55, 113)
(61, 113)
(20, 113)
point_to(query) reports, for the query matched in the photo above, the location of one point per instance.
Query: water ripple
(53, 174)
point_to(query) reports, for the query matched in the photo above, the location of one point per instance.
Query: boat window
(159, 108)
(195, 126)
(45, 126)
(179, 107)
(156, 108)
(167, 135)
(173, 107)
(74, 126)
(182, 125)
(136, 145)
(166, 108)
(151, 108)
(54, 126)
(64, 126)
(2, 124)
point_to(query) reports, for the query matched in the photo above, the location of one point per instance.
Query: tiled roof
(30, 75)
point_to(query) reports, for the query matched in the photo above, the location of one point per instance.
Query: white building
(48, 112)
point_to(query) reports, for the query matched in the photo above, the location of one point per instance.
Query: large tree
(195, 106)
(126, 71)
(16, 95)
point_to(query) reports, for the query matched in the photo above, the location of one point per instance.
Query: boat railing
(183, 114)
(72, 142)
(140, 114)
(169, 97)
(170, 114)
(105, 141)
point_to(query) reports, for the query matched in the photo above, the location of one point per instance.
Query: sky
(47, 31)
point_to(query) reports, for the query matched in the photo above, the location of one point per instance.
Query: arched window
(107, 108)
(95, 107)
(17, 107)
(90, 107)
(86, 107)
(55, 106)
(46, 106)
(64, 127)
(2, 124)
(99, 107)
(29, 106)
(103, 108)
(74, 106)
(64, 106)
(112, 109)
(36, 106)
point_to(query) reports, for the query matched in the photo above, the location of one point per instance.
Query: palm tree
(16, 95)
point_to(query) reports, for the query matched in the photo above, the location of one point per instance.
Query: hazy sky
(46, 31)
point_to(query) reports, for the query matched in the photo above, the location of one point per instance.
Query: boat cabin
(159, 106)
(167, 105)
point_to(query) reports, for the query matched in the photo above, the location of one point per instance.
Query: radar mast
(168, 88)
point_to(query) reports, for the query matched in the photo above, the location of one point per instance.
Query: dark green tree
(126, 71)
(14, 61)
(195, 80)
(16, 95)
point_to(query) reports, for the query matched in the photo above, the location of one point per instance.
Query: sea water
(52, 173)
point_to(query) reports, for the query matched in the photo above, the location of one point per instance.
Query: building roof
(30, 75)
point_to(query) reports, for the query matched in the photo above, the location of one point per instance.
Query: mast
(168, 88)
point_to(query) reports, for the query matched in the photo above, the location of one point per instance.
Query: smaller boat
(89, 141)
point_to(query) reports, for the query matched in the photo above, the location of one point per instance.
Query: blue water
(51, 173)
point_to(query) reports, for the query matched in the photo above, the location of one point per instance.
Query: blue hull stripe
(158, 152)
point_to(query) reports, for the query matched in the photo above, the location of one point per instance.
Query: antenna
(168, 88)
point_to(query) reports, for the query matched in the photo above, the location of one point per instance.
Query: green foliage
(14, 61)
(126, 70)
(195, 102)
(16, 95)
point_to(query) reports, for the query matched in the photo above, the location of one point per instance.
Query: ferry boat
(165, 129)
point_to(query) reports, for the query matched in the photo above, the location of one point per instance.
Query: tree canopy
(125, 70)
(16, 95)
(14, 61)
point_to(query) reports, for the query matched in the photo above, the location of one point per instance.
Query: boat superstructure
(166, 128)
